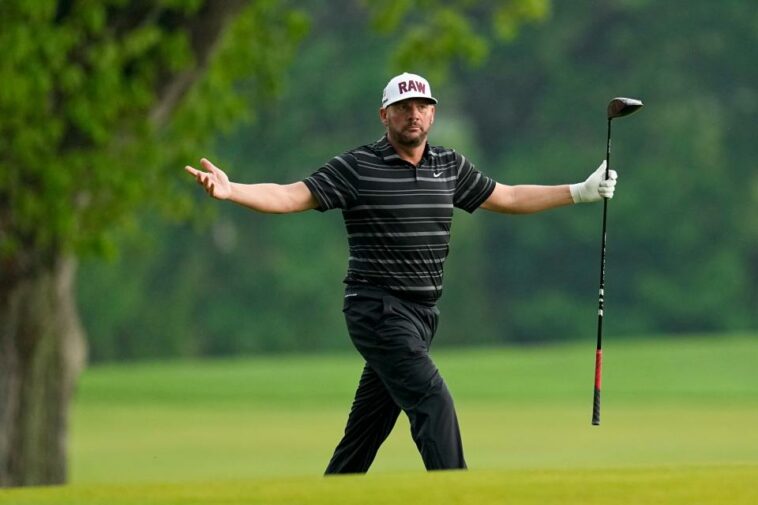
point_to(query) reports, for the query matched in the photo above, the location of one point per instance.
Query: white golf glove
(595, 187)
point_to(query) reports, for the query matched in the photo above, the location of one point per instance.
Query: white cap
(405, 86)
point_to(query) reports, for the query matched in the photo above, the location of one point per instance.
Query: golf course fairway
(678, 427)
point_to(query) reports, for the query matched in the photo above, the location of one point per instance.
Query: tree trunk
(42, 352)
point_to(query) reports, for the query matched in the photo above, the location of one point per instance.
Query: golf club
(618, 107)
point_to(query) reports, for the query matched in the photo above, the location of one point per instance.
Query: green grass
(733, 485)
(679, 418)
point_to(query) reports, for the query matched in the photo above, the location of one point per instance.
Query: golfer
(397, 197)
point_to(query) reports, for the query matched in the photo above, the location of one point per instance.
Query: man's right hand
(215, 181)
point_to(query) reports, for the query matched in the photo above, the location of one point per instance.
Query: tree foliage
(458, 28)
(86, 101)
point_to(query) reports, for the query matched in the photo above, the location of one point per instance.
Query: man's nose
(414, 111)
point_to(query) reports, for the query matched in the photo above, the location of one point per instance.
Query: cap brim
(411, 96)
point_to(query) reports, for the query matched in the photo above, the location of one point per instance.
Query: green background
(682, 229)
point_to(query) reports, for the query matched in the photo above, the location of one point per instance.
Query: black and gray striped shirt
(398, 216)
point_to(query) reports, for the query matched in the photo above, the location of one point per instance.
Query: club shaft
(601, 295)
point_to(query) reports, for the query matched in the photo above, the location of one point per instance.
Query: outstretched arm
(526, 199)
(266, 197)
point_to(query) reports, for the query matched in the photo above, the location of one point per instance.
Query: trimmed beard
(404, 140)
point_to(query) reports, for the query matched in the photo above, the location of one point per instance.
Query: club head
(619, 107)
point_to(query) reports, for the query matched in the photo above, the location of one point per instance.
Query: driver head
(619, 107)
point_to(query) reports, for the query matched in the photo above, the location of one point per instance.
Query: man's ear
(383, 116)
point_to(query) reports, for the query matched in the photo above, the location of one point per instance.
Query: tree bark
(42, 352)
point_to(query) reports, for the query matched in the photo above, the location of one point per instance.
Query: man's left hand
(596, 187)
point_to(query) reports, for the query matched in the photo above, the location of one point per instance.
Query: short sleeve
(472, 187)
(335, 185)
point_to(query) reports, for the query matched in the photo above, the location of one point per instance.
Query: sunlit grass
(714, 485)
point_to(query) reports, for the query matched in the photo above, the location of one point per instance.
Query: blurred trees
(682, 230)
(682, 233)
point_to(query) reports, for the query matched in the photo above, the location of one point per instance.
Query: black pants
(393, 336)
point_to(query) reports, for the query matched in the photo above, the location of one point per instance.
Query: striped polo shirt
(398, 215)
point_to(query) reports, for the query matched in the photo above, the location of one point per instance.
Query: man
(397, 197)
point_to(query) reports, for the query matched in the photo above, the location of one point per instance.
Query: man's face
(408, 121)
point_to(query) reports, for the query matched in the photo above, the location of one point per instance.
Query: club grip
(596, 408)
(598, 379)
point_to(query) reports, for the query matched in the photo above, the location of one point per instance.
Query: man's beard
(410, 140)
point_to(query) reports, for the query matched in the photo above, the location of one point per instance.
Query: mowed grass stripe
(708, 368)
(670, 486)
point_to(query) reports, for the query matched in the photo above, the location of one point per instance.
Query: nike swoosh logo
(437, 174)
